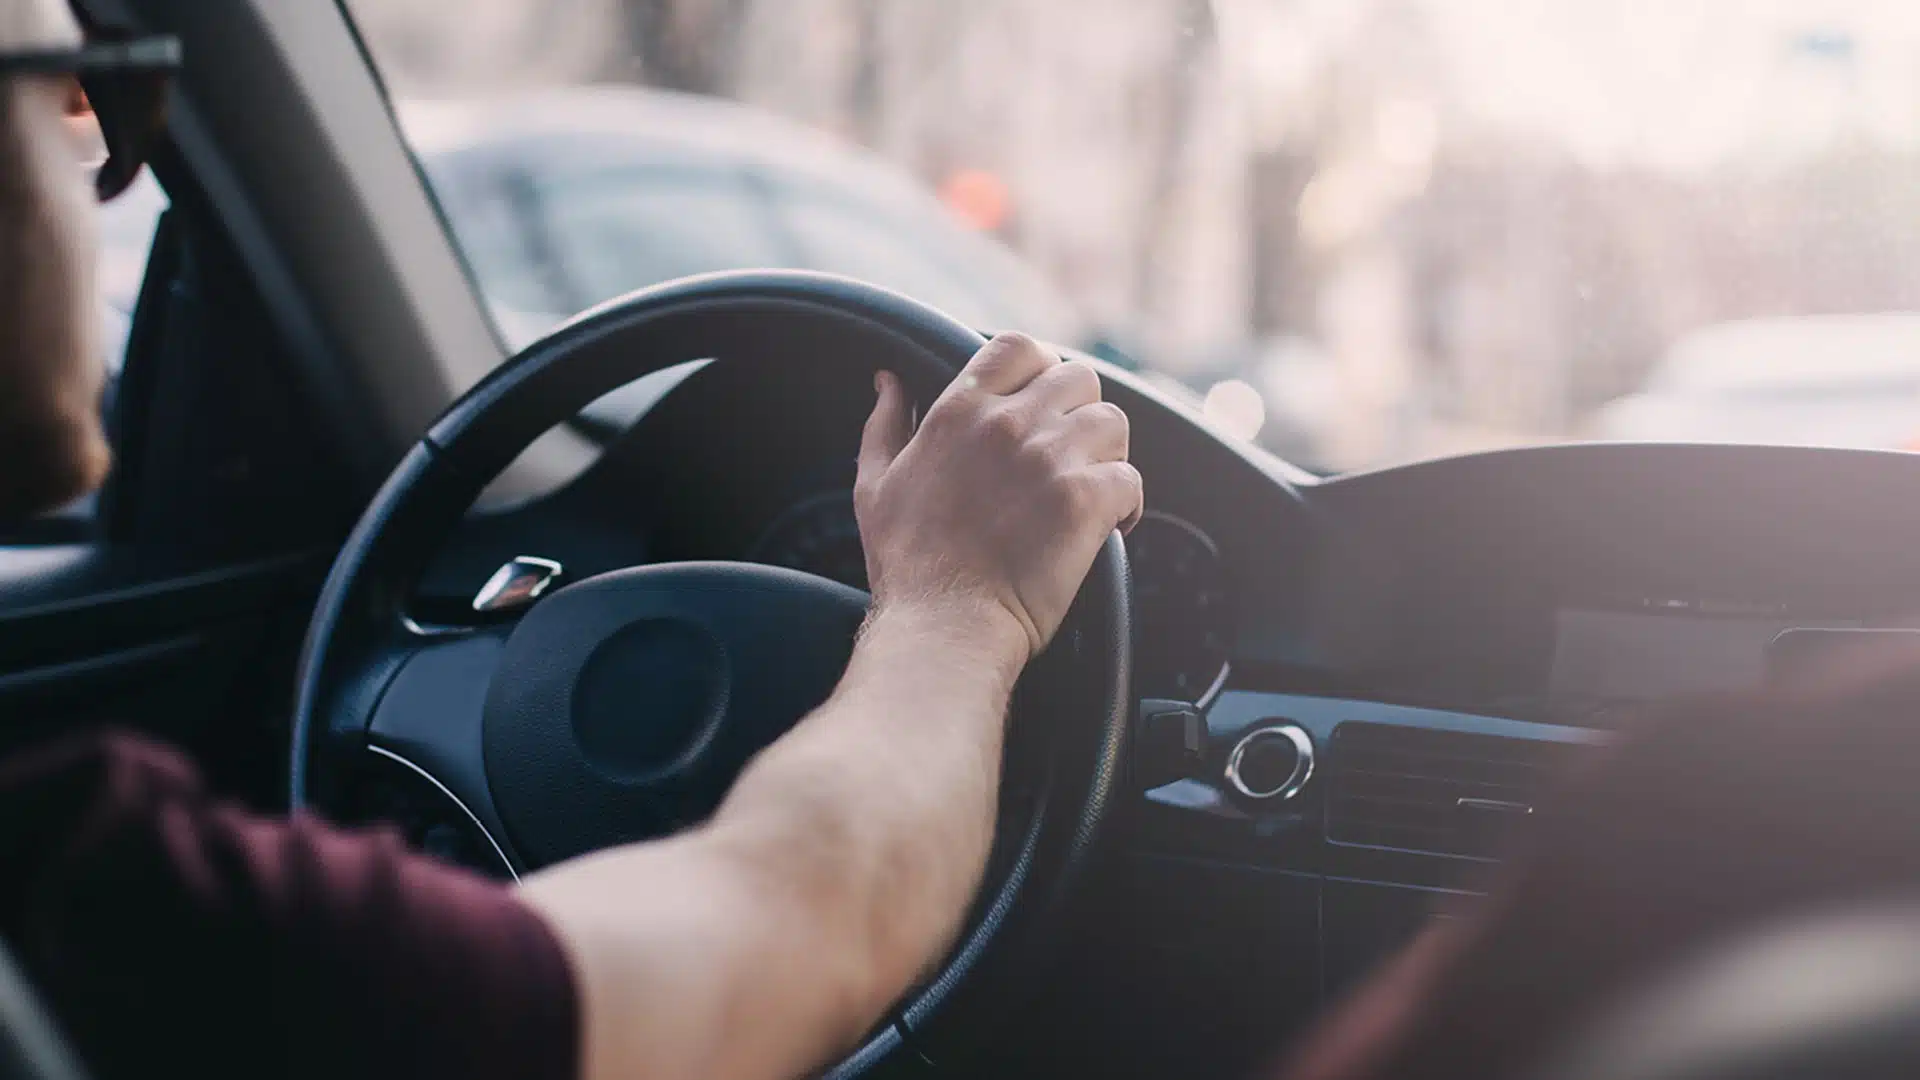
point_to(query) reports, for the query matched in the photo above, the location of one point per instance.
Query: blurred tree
(1280, 296)
(865, 99)
(1192, 31)
(687, 45)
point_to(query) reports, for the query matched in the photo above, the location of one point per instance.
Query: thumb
(888, 429)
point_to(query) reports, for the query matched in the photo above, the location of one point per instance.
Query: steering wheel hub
(684, 672)
(624, 705)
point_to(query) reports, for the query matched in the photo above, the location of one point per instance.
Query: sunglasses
(125, 79)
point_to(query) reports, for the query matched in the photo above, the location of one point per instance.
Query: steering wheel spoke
(430, 718)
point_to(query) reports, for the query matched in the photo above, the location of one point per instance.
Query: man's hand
(998, 504)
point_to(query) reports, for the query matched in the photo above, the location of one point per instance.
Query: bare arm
(840, 865)
(760, 943)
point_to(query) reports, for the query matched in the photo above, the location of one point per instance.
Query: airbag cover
(625, 705)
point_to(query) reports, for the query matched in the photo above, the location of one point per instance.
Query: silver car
(566, 198)
(1813, 380)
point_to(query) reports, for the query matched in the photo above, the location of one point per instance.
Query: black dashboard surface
(1448, 583)
(1457, 581)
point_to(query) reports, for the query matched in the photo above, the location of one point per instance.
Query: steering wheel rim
(360, 648)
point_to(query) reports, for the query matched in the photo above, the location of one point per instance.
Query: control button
(1271, 762)
(1170, 743)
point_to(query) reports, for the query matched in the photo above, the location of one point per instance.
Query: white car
(1828, 380)
(563, 198)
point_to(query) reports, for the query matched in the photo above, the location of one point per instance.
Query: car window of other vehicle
(919, 236)
(617, 230)
(488, 208)
(907, 254)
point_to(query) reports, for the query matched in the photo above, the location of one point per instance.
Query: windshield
(1358, 232)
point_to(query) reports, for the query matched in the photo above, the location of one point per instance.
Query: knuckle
(1110, 417)
(949, 413)
(1081, 375)
(1076, 494)
(1042, 460)
(1006, 425)
(997, 352)
(1013, 342)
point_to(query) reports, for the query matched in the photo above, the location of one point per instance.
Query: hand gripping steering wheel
(621, 707)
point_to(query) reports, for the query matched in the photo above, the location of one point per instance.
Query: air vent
(1442, 792)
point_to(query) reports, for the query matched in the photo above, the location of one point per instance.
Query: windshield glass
(1358, 232)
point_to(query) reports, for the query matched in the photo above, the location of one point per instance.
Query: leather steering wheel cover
(357, 614)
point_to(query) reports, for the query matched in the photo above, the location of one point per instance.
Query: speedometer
(1181, 608)
(818, 535)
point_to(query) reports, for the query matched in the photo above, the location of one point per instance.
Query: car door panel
(172, 604)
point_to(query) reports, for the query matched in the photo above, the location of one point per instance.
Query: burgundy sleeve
(174, 934)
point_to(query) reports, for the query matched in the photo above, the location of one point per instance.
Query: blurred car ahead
(1826, 380)
(564, 198)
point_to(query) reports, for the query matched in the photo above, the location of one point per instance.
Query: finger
(1096, 432)
(1065, 386)
(888, 428)
(1006, 365)
(1118, 494)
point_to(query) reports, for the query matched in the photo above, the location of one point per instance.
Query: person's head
(52, 447)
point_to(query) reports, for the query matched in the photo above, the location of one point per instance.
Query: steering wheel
(622, 706)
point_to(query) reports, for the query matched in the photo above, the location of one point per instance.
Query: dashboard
(1355, 691)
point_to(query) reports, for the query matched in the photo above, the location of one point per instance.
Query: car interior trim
(472, 818)
(1297, 778)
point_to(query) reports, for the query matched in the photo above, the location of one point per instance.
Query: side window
(126, 228)
(618, 230)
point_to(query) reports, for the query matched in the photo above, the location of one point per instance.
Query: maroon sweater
(172, 934)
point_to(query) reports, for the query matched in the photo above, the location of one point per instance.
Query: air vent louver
(1441, 792)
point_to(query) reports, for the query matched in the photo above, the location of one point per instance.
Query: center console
(1379, 815)
(1335, 829)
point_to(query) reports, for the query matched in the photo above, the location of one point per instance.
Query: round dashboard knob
(1272, 762)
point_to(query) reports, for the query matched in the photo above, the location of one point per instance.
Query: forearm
(878, 810)
(839, 866)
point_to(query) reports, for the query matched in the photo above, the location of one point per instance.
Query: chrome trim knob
(1296, 739)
